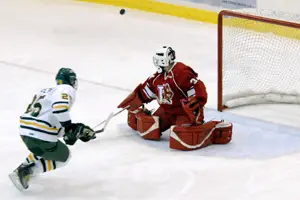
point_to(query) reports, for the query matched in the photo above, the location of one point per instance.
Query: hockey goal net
(258, 58)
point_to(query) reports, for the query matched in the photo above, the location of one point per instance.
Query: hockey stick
(105, 122)
(110, 116)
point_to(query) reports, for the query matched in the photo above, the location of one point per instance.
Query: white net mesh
(261, 61)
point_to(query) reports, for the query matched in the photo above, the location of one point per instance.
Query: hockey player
(181, 96)
(46, 119)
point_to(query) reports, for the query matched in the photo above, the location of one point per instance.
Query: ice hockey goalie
(181, 96)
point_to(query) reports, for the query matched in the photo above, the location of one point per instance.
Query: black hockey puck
(122, 11)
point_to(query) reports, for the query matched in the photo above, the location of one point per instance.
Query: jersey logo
(165, 94)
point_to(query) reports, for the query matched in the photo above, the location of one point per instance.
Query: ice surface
(111, 54)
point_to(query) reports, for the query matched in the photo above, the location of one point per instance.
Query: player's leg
(48, 150)
(44, 157)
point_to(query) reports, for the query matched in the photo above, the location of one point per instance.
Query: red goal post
(258, 58)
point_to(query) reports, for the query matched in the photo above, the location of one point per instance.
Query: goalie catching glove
(78, 131)
(194, 110)
(132, 101)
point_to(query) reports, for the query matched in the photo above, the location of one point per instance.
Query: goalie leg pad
(148, 126)
(199, 136)
(196, 137)
(132, 118)
(222, 133)
(192, 137)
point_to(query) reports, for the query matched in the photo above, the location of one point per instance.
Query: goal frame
(230, 13)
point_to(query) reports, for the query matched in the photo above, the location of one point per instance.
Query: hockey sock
(42, 165)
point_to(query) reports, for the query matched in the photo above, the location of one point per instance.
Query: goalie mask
(163, 57)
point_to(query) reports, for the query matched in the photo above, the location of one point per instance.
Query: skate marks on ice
(132, 182)
(252, 138)
(64, 185)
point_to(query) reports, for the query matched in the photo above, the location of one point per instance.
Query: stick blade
(110, 116)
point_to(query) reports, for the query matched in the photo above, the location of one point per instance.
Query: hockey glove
(193, 109)
(87, 134)
(133, 100)
(73, 132)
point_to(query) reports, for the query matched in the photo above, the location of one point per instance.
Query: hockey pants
(56, 151)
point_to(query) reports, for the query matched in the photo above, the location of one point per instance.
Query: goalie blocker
(181, 137)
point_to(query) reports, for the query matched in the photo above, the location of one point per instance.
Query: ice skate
(21, 176)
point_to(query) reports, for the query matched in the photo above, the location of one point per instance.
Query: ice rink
(111, 55)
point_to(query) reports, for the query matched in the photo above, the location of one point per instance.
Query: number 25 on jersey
(35, 107)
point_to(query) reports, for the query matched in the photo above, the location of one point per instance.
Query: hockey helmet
(66, 76)
(163, 57)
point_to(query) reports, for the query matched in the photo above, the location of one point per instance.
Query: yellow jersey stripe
(38, 125)
(61, 106)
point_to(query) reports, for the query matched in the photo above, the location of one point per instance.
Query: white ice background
(111, 55)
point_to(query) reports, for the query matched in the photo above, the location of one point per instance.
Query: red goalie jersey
(181, 96)
(172, 87)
